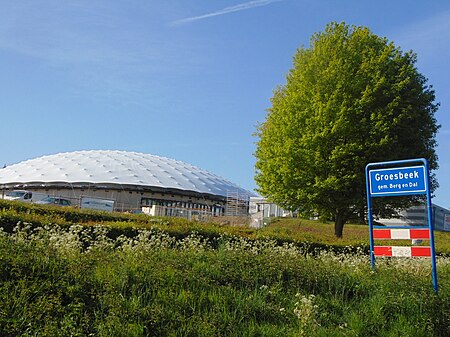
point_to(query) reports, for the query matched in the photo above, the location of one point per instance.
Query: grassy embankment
(69, 273)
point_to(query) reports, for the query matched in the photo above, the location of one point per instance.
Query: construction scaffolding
(237, 203)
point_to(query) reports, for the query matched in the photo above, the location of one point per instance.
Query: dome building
(132, 180)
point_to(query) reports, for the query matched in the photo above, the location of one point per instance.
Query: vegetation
(351, 98)
(129, 275)
(309, 234)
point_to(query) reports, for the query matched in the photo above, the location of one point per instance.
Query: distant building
(132, 180)
(261, 209)
(418, 216)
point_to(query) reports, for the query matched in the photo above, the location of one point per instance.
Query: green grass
(106, 277)
(282, 229)
(354, 235)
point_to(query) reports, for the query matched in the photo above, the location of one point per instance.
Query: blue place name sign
(398, 181)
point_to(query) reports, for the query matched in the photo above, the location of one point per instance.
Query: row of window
(178, 204)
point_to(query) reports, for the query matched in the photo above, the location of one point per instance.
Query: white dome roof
(117, 167)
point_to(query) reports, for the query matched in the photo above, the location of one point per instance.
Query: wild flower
(306, 311)
(146, 241)
(78, 239)
(193, 242)
(66, 242)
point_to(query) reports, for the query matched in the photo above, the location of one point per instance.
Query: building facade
(132, 180)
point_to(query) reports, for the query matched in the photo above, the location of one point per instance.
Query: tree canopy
(351, 98)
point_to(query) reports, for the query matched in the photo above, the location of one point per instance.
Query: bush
(83, 281)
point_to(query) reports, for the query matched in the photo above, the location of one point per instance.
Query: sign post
(399, 178)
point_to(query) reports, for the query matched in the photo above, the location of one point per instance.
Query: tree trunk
(339, 223)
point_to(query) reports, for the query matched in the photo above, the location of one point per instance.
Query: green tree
(351, 98)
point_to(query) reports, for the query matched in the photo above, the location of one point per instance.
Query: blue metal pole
(431, 227)
(369, 216)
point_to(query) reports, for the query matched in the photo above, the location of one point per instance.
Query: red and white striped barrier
(398, 251)
(401, 233)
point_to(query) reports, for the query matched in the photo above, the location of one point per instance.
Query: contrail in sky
(226, 10)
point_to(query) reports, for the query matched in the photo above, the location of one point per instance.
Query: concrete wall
(128, 200)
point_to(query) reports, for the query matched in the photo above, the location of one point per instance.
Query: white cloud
(226, 10)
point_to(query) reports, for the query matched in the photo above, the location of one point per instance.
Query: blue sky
(183, 79)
